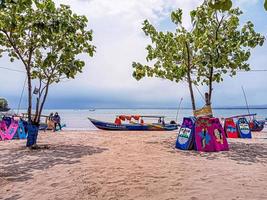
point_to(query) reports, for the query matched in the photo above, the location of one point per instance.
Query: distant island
(4, 105)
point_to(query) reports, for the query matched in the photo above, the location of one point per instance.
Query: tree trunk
(210, 86)
(189, 80)
(191, 91)
(37, 109)
(43, 101)
(29, 96)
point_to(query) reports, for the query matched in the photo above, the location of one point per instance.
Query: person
(50, 122)
(50, 117)
(56, 119)
(118, 121)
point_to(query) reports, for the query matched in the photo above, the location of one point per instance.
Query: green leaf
(176, 16)
(265, 5)
(214, 46)
(57, 38)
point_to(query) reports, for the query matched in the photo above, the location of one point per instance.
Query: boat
(46, 123)
(254, 124)
(4, 109)
(134, 124)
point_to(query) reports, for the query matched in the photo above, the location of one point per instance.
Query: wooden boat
(254, 124)
(135, 126)
(4, 109)
(46, 122)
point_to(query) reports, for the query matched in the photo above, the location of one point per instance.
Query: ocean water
(77, 119)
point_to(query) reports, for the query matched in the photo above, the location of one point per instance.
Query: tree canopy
(47, 39)
(3, 105)
(215, 45)
(224, 45)
(227, 4)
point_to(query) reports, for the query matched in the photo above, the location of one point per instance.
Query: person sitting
(50, 117)
(56, 119)
(50, 122)
(118, 121)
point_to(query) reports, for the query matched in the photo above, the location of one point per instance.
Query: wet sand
(130, 165)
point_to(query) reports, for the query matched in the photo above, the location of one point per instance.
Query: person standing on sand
(56, 119)
(51, 116)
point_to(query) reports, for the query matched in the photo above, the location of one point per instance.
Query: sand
(130, 165)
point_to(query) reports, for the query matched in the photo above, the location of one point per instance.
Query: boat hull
(132, 127)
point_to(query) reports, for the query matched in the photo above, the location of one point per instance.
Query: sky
(107, 82)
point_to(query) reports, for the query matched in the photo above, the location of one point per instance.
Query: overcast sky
(107, 78)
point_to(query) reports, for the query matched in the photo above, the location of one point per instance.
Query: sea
(77, 119)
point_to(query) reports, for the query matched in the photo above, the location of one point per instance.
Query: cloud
(120, 41)
(245, 3)
(107, 77)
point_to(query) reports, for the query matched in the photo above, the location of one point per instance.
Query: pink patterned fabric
(3, 126)
(204, 140)
(209, 135)
(3, 129)
(219, 135)
(10, 132)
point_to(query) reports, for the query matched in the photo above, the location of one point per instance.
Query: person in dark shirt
(56, 119)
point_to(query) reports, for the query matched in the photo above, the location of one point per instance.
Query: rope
(21, 95)
(254, 70)
(14, 70)
(178, 109)
(200, 93)
(246, 101)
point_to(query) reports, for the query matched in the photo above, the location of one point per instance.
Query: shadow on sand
(242, 153)
(18, 164)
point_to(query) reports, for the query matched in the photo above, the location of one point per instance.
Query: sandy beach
(130, 165)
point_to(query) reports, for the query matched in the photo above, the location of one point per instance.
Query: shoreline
(130, 165)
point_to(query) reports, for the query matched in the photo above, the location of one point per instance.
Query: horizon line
(150, 108)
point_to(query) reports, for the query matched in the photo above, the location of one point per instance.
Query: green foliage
(50, 37)
(227, 4)
(216, 45)
(223, 45)
(173, 54)
(168, 52)
(220, 4)
(3, 104)
(66, 37)
(46, 38)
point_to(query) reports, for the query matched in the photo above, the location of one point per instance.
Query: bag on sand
(243, 128)
(230, 128)
(209, 135)
(218, 134)
(185, 138)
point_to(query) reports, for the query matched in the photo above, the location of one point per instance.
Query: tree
(173, 54)
(214, 46)
(47, 40)
(4, 105)
(58, 60)
(227, 4)
(224, 46)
